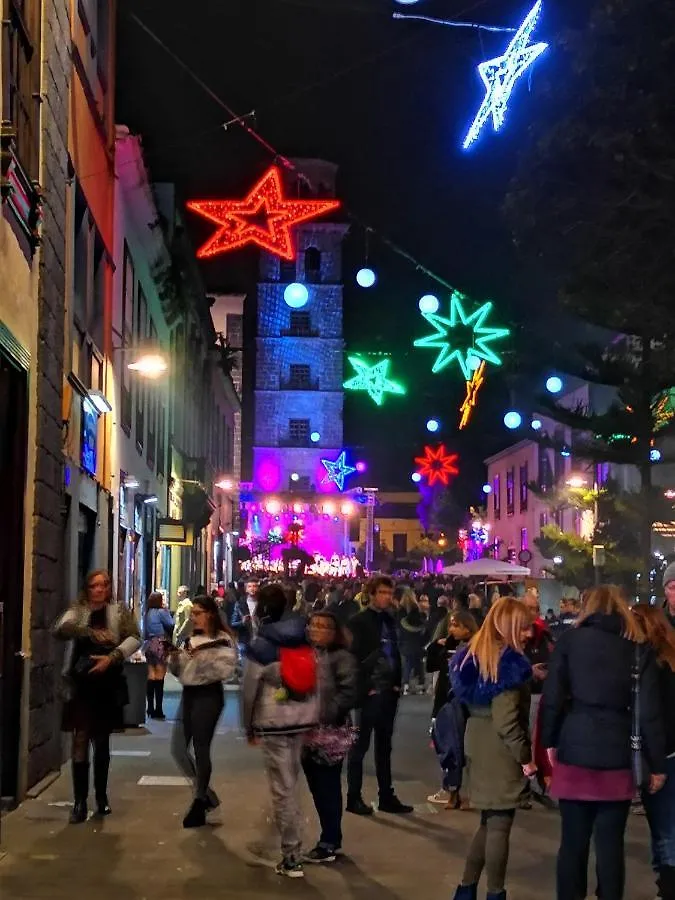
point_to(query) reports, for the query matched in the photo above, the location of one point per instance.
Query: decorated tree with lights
(594, 202)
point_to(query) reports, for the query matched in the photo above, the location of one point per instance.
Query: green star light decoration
(462, 352)
(374, 379)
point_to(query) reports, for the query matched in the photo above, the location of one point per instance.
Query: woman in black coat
(325, 750)
(586, 727)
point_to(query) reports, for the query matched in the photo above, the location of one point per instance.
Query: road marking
(162, 781)
(130, 753)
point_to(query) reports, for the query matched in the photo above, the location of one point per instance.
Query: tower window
(312, 265)
(300, 324)
(287, 270)
(299, 377)
(298, 431)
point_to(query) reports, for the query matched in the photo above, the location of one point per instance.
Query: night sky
(389, 102)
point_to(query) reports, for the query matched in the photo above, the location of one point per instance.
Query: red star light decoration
(264, 217)
(437, 465)
(471, 399)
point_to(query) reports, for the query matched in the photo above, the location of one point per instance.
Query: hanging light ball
(416, 477)
(554, 384)
(655, 455)
(361, 467)
(513, 420)
(473, 361)
(535, 424)
(487, 488)
(296, 295)
(295, 476)
(433, 425)
(366, 278)
(315, 437)
(429, 304)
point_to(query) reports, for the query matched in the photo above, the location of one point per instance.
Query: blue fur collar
(470, 687)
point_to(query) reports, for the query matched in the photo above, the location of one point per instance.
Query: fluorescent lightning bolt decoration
(500, 75)
(471, 399)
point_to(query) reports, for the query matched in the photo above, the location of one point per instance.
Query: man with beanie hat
(669, 591)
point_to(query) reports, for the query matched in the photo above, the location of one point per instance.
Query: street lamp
(576, 481)
(149, 365)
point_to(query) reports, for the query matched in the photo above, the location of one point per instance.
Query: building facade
(35, 73)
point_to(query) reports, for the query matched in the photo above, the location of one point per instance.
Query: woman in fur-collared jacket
(207, 660)
(492, 679)
(101, 635)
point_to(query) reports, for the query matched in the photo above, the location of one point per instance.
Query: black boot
(101, 768)
(159, 699)
(150, 695)
(666, 882)
(80, 792)
(196, 815)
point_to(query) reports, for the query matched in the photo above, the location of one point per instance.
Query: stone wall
(275, 358)
(44, 741)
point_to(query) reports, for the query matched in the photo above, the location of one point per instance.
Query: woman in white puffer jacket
(207, 660)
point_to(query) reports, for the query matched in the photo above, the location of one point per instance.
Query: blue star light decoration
(501, 74)
(373, 379)
(467, 355)
(337, 470)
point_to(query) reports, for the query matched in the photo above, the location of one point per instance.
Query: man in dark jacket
(375, 646)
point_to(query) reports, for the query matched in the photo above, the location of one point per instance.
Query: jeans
(413, 665)
(376, 717)
(282, 753)
(605, 822)
(325, 784)
(660, 809)
(198, 715)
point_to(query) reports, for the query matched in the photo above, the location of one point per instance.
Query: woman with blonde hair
(101, 635)
(660, 806)
(492, 679)
(586, 726)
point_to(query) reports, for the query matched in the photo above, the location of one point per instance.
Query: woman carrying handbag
(590, 719)
(327, 746)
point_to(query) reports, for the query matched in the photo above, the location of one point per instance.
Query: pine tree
(594, 202)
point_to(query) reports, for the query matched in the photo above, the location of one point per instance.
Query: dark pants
(660, 809)
(376, 717)
(605, 822)
(489, 850)
(413, 666)
(325, 783)
(196, 722)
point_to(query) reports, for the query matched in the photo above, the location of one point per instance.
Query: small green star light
(467, 350)
(374, 379)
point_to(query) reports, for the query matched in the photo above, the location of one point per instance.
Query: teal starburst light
(373, 379)
(462, 338)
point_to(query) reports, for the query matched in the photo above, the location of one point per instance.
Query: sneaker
(196, 815)
(394, 806)
(290, 869)
(439, 797)
(320, 855)
(359, 808)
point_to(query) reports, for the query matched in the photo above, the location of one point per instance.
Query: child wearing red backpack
(279, 706)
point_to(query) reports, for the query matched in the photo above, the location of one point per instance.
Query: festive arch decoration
(436, 465)
(471, 399)
(337, 470)
(373, 379)
(464, 352)
(264, 217)
(499, 75)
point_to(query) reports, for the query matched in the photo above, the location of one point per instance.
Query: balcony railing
(299, 384)
(300, 331)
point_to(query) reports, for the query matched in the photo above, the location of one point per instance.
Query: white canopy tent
(487, 568)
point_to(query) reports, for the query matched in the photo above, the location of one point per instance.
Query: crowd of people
(572, 708)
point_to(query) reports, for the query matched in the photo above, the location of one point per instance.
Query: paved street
(142, 853)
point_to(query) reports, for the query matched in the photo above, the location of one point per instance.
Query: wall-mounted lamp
(100, 402)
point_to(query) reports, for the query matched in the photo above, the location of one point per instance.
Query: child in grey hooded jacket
(277, 718)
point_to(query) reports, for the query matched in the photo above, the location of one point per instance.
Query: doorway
(13, 449)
